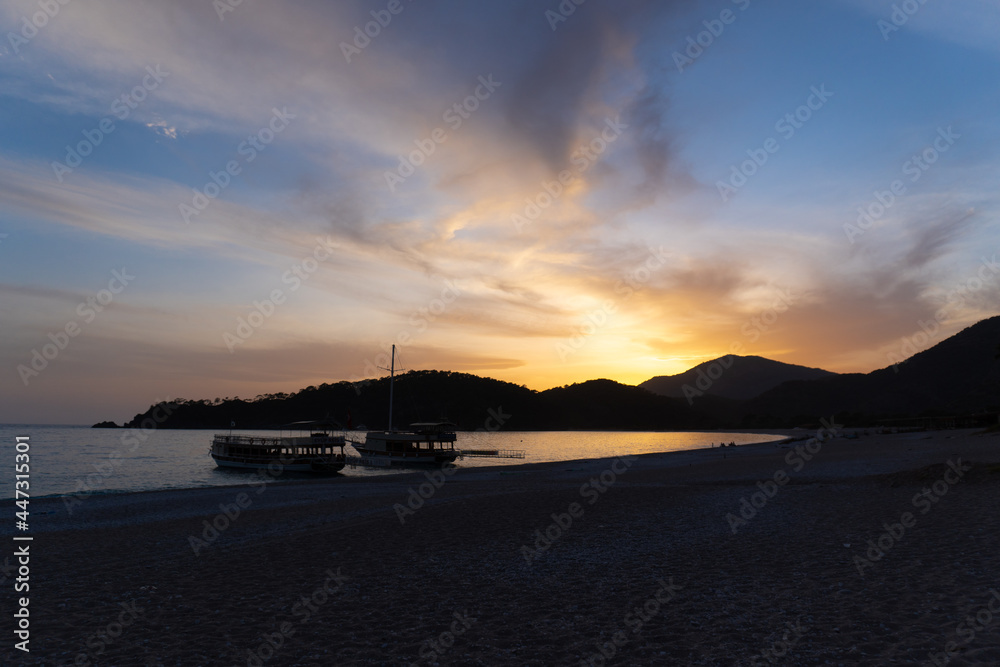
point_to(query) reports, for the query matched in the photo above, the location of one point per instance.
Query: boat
(310, 446)
(423, 444)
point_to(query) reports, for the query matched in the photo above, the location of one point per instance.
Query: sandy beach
(870, 551)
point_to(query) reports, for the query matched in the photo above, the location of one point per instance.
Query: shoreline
(671, 461)
(548, 563)
(395, 471)
(398, 475)
(402, 475)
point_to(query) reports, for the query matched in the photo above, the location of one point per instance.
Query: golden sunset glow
(540, 204)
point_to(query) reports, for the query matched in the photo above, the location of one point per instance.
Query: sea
(81, 460)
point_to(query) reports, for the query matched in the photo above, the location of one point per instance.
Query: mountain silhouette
(957, 376)
(734, 377)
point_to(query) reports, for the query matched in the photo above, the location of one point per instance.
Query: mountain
(419, 396)
(734, 377)
(470, 401)
(605, 404)
(959, 375)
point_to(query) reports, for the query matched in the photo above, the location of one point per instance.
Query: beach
(883, 549)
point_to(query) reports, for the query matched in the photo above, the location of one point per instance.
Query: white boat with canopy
(310, 446)
(422, 444)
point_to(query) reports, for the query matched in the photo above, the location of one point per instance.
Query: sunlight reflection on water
(69, 459)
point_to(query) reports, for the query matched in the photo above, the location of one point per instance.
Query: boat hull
(316, 452)
(285, 465)
(406, 458)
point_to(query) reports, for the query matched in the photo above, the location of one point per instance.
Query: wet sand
(749, 555)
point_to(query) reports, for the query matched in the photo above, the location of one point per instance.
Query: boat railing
(298, 458)
(274, 441)
(251, 440)
(438, 436)
(492, 453)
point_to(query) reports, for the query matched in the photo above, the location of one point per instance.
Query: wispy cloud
(541, 142)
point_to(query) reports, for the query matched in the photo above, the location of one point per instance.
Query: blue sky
(634, 267)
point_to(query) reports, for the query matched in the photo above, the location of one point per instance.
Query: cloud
(972, 23)
(524, 287)
(933, 240)
(161, 128)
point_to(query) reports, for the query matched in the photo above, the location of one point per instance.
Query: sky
(207, 199)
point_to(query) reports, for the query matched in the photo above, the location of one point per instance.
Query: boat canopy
(313, 425)
(433, 427)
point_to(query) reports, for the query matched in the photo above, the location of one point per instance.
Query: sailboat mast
(392, 375)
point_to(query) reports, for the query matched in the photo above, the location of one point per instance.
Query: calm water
(77, 459)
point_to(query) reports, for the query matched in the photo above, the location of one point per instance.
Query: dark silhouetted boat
(310, 446)
(422, 444)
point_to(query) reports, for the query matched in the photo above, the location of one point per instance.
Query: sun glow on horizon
(544, 215)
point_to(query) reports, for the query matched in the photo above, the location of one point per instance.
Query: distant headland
(957, 379)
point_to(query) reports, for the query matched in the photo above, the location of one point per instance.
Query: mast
(392, 374)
